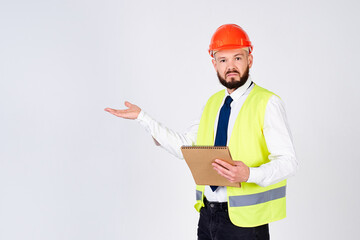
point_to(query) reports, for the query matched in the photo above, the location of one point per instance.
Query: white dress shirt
(283, 162)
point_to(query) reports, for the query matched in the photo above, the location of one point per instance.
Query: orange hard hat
(229, 36)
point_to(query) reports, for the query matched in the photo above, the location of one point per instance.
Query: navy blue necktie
(222, 127)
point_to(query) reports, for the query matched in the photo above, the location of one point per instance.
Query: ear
(250, 60)
(214, 63)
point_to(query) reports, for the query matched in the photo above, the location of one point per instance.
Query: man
(252, 122)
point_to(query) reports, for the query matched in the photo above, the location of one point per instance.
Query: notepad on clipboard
(199, 160)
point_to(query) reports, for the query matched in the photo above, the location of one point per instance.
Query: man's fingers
(110, 110)
(223, 163)
(222, 169)
(119, 113)
(237, 173)
(225, 173)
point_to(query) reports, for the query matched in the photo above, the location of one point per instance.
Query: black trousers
(215, 224)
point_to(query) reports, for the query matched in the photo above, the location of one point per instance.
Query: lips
(232, 74)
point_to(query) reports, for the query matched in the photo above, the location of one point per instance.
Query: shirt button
(211, 205)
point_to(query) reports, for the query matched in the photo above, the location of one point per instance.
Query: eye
(238, 58)
(222, 60)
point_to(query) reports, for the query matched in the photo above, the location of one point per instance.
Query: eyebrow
(238, 54)
(241, 54)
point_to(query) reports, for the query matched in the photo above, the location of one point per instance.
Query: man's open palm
(131, 113)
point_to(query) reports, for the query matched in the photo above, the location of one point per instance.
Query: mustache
(232, 71)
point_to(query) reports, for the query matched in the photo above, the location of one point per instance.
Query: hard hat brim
(227, 47)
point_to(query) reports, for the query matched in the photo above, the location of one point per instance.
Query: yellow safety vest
(251, 205)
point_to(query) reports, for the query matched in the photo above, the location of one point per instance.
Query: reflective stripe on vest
(198, 195)
(257, 198)
(252, 199)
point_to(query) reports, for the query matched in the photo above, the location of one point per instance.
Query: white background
(69, 170)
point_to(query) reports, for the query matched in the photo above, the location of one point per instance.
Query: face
(232, 67)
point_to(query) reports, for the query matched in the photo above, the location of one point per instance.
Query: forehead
(230, 53)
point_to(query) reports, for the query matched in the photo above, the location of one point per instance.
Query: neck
(230, 91)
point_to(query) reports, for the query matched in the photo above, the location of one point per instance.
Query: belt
(216, 205)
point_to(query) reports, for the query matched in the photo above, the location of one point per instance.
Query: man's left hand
(237, 173)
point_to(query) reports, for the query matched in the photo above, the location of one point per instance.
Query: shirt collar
(235, 95)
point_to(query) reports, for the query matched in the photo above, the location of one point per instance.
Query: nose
(230, 66)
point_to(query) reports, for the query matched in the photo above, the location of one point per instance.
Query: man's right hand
(131, 113)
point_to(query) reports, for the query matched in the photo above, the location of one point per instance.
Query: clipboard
(199, 160)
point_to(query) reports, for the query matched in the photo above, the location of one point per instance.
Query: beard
(234, 84)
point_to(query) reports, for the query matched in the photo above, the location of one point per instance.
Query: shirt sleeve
(168, 139)
(283, 162)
